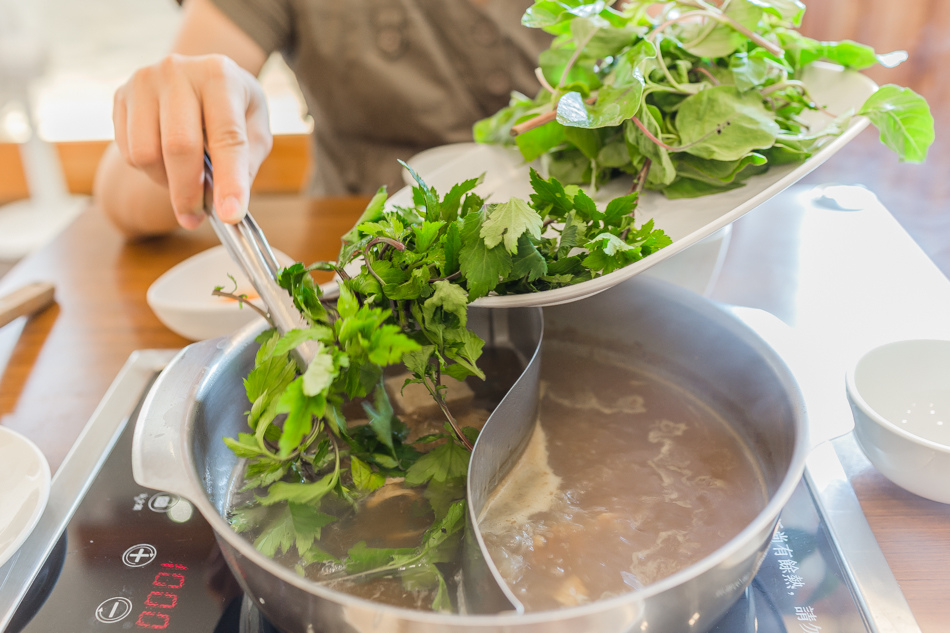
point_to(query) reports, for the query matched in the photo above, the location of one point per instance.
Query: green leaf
(448, 304)
(426, 234)
(585, 207)
(857, 56)
(443, 463)
(308, 493)
(722, 39)
(361, 558)
(380, 415)
(540, 140)
(640, 144)
(549, 196)
(751, 71)
(528, 262)
(620, 207)
(452, 245)
(308, 523)
(572, 235)
(264, 386)
(429, 195)
(278, 536)
(300, 409)
(723, 124)
(715, 172)
(417, 362)
(482, 267)
(451, 203)
(346, 305)
(320, 373)
(507, 221)
(245, 446)
(904, 120)
(372, 213)
(466, 352)
(789, 10)
(364, 478)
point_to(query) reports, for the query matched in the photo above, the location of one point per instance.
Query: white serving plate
(181, 298)
(24, 490)
(685, 221)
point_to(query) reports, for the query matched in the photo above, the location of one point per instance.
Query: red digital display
(161, 602)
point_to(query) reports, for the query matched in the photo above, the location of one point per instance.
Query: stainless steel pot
(200, 398)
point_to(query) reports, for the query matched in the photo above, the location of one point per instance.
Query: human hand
(167, 113)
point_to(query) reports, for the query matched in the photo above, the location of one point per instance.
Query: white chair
(26, 225)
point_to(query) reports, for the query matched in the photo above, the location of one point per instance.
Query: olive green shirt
(385, 79)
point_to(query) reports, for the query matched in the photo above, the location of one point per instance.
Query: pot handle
(819, 377)
(160, 451)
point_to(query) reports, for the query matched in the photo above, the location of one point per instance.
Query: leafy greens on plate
(691, 97)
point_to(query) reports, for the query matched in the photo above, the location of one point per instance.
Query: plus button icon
(139, 555)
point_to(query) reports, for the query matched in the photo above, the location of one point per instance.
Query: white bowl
(900, 397)
(182, 300)
(24, 490)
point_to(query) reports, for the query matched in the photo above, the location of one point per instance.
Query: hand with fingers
(168, 113)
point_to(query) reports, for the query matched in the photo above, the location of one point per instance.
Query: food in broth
(629, 478)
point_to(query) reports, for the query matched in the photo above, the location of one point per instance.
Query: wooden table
(55, 367)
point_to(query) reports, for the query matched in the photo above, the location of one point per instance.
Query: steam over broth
(629, 478)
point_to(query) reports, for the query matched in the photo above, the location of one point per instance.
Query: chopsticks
(25, 301)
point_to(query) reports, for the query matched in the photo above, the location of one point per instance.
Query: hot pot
(199, 399)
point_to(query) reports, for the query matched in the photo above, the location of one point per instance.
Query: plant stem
(242, 301)
(711, 12)
(455, 275)
(439, 400)
(577, 53)
(541, 119)
(671, 148)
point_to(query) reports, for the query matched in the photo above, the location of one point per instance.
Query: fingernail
(190, 220)
(231, 210)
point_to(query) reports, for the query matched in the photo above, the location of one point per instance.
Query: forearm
(135, 203)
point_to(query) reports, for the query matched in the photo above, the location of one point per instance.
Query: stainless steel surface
(247, 246)
(500, 444)
(700, 335)
(875, 589)
(76, 473)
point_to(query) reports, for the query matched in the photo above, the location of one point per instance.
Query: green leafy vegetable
(690, 97)
(420, 267)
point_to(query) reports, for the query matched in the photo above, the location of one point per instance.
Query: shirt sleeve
(267, 22)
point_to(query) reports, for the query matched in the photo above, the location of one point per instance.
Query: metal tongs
(247, 246)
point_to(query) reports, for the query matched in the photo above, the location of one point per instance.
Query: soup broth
(630, 477)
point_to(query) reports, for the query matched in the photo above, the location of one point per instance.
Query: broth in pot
(633, 473)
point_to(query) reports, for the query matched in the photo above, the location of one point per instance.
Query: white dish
(182, 300)
(24, 490)
(900, 396)
(685, 221)
(429, 160)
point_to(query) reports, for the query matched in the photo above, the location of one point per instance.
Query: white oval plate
(24, 490)
(686, 221)
(181, 298)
